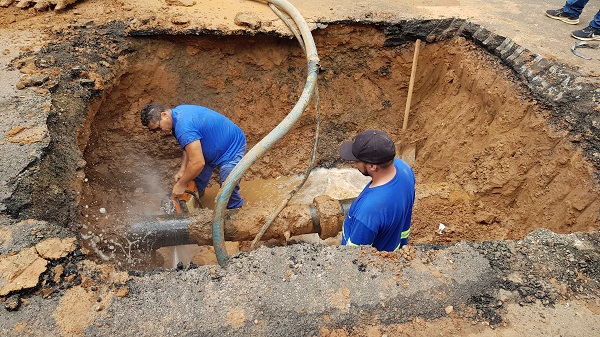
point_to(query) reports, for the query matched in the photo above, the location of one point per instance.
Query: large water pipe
(324, 216)
(218, 235)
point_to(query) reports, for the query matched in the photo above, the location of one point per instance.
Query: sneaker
(589, 33)
(559, 14)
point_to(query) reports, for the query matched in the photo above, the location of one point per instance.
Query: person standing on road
(570, 14)
(209, 140)
(381, 215)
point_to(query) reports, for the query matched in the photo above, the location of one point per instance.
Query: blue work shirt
(381, 216)
(220, 138)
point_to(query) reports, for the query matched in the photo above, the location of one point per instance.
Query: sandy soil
(518, 162)
(510, 172)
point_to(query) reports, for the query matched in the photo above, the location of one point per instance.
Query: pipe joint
(329, 213)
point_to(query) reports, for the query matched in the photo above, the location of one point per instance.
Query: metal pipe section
(324, 217)
(261, 147)
(154, 233)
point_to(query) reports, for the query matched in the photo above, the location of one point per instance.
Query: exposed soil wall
(488, 165)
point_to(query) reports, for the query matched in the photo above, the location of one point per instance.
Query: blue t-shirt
(220, 138)
(381, 216)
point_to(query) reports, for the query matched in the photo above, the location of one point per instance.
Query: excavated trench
(488, 163)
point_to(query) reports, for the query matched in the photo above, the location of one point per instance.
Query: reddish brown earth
(487, 164)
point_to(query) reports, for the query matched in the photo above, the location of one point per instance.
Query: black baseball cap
(370, 146)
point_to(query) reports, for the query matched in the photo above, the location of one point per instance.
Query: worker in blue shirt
(209, 140)
(381, 214)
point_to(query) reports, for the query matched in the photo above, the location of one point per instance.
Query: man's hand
(178, 176)
(178, 189)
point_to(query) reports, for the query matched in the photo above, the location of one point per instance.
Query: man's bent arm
(361, 235)
(184, 161)
(195, 165)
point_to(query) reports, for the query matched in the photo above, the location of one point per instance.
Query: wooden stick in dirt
(411, 84)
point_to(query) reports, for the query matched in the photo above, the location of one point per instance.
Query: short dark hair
(386, 164)
(151, 113)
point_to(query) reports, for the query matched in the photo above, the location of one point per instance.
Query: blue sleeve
(188, 137)
(361, 235)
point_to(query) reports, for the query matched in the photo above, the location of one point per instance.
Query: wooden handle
(411, 84)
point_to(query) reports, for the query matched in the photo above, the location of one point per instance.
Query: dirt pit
(488, 164)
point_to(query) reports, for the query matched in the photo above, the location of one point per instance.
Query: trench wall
(101, 69)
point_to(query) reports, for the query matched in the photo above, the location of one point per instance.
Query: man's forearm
(192, 170)
(195, 163)
(184, 162)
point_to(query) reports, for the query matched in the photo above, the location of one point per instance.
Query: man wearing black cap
(381, 214)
